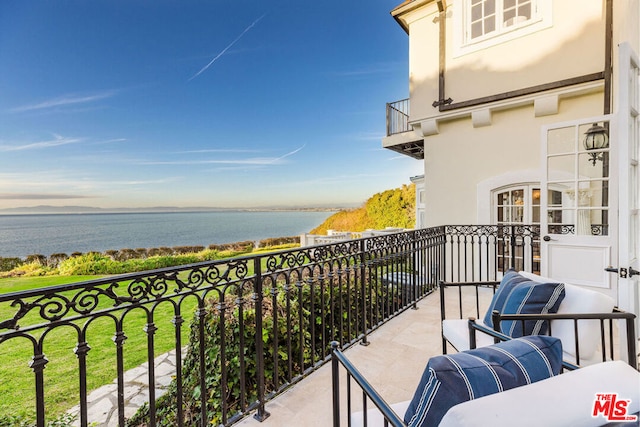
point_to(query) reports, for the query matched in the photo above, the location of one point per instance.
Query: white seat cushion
(578, 300)
(456, 331)
(564, 400)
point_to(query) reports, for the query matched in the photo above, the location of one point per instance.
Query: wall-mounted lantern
(596, 138)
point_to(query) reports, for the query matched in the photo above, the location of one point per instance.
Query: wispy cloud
(40, 196)
(110, 141)
(217, 150)
(57, 141)
(256, 161)
(203, 69)
(63, 101)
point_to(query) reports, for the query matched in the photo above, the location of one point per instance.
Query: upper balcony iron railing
(258, 324)
(398, 117)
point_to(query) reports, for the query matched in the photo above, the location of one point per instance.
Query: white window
(486, 17)
(518, 204)
(482, 23)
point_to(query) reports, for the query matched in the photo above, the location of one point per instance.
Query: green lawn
(17, 383)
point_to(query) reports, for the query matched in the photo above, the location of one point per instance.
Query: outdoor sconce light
(596, 138)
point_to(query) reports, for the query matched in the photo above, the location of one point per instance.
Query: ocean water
(22, 235)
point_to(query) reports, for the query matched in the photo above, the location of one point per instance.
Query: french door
(628, 113)
(579, 206)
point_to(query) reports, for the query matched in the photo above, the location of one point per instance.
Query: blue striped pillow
(452, 379)
(519, 295)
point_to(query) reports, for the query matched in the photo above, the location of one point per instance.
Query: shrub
(56, 259)
(283, 335)
(64, 420)
(112, 253)
(91, 263)
(36, 258)
(8, 264)
(126, 254)
(277, 241)
(28, 269)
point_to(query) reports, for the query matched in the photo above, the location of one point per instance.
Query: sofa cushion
(456, 331)
(564, 400)
(519, 295)
(451, 379)
(578, 300)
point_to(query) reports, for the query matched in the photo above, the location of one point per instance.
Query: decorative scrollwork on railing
(563, 229)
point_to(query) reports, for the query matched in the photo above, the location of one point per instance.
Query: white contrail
(227, 48)
(288, 154)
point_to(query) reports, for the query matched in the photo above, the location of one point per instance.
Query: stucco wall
(573, 46)
(461, 156)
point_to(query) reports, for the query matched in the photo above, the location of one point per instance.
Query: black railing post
(150, 329)
(631, 341)
(118, 339)
(81, 350)
(261, 414)
(178, 322)
(201, 314)
(363, 289)
(512, 232)
(38, 363)
(335, 381)
(415, 270)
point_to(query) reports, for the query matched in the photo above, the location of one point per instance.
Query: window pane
(555, 197)
(503, 198)
(594, 164)
(489, 24)
(525, 10)
(561, 167)
(597, 220)
(517, 214)
(561, 140)
(535, 215)
(562, 221)
(535, 196)
(489, 7)
(509, 4)
(476, 29)
(597, 193)
(509, 16)
(518, 197)
(476, 12)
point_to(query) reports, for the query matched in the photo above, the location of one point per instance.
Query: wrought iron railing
(271, 317)
(398, 117)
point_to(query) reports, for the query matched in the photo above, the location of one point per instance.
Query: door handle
(548, 238)
(624, 273)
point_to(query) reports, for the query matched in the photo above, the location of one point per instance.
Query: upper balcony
(400, 134)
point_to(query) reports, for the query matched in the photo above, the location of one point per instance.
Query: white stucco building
(527, 111)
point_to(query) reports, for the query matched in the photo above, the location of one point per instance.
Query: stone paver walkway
(103, 404)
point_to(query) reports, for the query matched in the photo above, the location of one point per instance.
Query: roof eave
(407, 6)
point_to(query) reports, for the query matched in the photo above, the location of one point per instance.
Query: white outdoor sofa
(584, 314)
(560, 401)
(583, 324)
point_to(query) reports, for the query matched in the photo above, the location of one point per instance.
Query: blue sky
(227, 103)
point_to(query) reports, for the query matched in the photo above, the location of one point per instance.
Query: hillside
(391, 208)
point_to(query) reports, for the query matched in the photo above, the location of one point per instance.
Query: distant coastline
(50, 233)
(61, 210)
